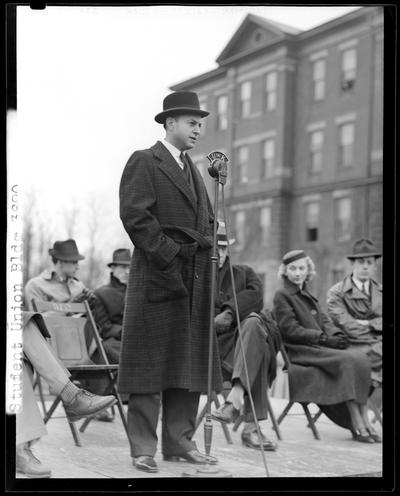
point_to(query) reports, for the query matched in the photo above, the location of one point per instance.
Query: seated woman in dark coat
(322, 370)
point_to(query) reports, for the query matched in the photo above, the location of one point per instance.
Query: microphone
(218, 166)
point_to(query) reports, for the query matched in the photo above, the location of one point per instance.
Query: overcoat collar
(172, 170)
(354, 292)
(294, 289)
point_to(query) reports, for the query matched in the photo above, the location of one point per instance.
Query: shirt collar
(50, 274)
(359, 284)
(173, 150)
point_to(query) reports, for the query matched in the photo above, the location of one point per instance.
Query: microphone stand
(218, 170)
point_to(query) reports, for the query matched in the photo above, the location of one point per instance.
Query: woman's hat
(66, 251)
(292, 256)
(180, 102)
(222, 239)
(121, 256)
(363, 248)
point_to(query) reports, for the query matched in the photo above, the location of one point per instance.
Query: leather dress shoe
(145, 463)
(250, 439)
(362, 438)
(27, 464)
(226, 413)
(192, 456)
(104, 416)
(85, 404)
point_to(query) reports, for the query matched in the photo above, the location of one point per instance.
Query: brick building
(300, 116)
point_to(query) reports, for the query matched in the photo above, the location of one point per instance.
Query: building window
(349, 65)
(319, 69)
(245, 99)
(243, 158)
(222, 113)
(240, 223)
(271, 81)
(346, 144)
(265, 225)
(343, 219)
(312, 221)
(316, 148)
(269, 158)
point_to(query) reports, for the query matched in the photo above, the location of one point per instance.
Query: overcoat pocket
(166, 284)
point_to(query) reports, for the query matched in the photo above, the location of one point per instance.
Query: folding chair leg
(200, 416)
(122, 413)
(224, 426)
(75, 434)
(285, 412)
(316, 417)
(310, 421)
(273, 420)
(38, 383)
(50, 412)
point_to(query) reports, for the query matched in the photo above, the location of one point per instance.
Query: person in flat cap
(323, 368)
(108, 311)
(166, 211)
(355, 306)
(261, 343)
(59, 283)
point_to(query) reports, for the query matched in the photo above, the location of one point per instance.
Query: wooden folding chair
(66, 324)
(310, 418)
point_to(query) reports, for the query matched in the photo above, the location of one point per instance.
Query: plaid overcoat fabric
(165, 335)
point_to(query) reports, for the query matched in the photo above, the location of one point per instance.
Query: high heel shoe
(362, 438)
(375, 436)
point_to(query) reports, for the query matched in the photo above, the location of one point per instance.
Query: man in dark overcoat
(167, 214)
(261, 343)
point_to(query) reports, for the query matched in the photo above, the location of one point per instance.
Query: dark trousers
(179, 411)
(257, 354)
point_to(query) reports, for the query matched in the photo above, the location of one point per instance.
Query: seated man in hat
(78, 403)
(261, 343)
(355, 305)
(108, 310)
(60, 283)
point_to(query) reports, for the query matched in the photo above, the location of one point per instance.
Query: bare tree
(71, 216)
(95, 223)
(28, 233)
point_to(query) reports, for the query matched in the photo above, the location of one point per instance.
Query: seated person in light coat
(355, 306)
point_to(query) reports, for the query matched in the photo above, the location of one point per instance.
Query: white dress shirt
(361, 285)
(174, 152)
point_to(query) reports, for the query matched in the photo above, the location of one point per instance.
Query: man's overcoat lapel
(167, 164)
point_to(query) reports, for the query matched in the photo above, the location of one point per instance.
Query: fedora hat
(66, 251)
(122, 256)
(180, 102)
(363, 248)
(222, 239)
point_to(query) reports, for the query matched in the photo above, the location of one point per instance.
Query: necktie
(188, 175)
(365, 288)
(185, 164)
